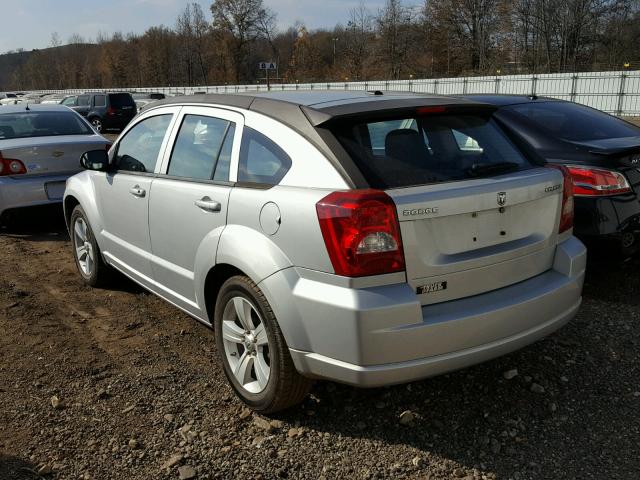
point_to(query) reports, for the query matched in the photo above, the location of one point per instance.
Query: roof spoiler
(319, 116)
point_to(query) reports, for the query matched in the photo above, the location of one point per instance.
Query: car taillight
(566, 214)
(111, 112)
(361, 232)
(594, 182)
(11, 166)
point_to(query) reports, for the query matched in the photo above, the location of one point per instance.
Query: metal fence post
(464, 86)
(497, 85)
(534, 84)
(435, 86)
(574, 87)
(621, 93)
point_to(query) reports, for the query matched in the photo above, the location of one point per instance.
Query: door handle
(137, 191)
(208, 205)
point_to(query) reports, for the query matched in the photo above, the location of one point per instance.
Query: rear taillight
(595, 182)
(361, 232)
(566, 214)
(11, 166)
(111, 112)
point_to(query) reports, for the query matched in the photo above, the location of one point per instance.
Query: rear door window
(100, 101)
(261, 160)
(573, 122)
(200, 147)
(423, 149)
(139, 149)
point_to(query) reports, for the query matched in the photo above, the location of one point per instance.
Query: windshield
(418, 150)
(41, 124)
(574, 122)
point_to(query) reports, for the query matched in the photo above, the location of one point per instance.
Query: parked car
(340, 235)
(142, 103)
(40, 147)
(148, 96)
(106, 110)
(8, 98)
(602, 153)
(69, 100)
(52, 98)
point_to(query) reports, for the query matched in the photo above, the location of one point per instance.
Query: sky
(29, 24)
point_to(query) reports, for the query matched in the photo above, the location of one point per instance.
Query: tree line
(401, 40)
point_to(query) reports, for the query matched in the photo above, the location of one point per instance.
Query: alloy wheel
(97, 124)
(84, 250)
(246, 345)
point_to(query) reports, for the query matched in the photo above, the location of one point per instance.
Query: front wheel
(252, 349)
(85, 250)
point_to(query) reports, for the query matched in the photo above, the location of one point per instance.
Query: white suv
(364, 238)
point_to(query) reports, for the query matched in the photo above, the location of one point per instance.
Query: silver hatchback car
(364, 238)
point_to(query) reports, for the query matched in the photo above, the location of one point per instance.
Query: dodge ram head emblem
(502, 198)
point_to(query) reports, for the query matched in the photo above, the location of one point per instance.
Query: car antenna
(27, 108)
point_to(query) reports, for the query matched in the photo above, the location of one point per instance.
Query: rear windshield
(41, 124)
(574, 122)
(119, 100)
(418, 150)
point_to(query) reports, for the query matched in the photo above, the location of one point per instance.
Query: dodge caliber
(364, 238)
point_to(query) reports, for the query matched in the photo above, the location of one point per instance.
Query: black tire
(97, 124)
(100, 273)
(285, 387)
(628, 245)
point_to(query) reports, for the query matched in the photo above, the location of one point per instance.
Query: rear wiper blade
(478, 169)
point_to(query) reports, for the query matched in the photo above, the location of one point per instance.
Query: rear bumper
(29, 191)
(381, 335)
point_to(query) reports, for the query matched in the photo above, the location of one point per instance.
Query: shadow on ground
(14, 468)
(45, 223)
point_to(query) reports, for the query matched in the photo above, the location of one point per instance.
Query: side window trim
(175, 111)
(216, 112)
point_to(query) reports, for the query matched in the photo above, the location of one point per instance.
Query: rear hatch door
(466, 238)
(122, 105)
(476, 212)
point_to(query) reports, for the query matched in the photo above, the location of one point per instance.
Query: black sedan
(602, 153)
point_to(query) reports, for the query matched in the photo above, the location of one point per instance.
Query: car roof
(317, 106)
(34, 107)
(498, 100)
(304, 110)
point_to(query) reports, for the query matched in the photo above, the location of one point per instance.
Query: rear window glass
(119, 100)
(571, 121)
(42, 124)
(418, 150)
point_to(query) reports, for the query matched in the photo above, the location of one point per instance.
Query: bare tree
(240, 23)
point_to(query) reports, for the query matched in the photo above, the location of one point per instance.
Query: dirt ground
(117, 384)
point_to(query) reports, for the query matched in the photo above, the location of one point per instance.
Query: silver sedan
(40, 147)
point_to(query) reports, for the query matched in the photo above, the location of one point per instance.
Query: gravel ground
(115, 383)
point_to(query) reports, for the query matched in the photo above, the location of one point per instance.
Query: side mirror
(95, 160)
